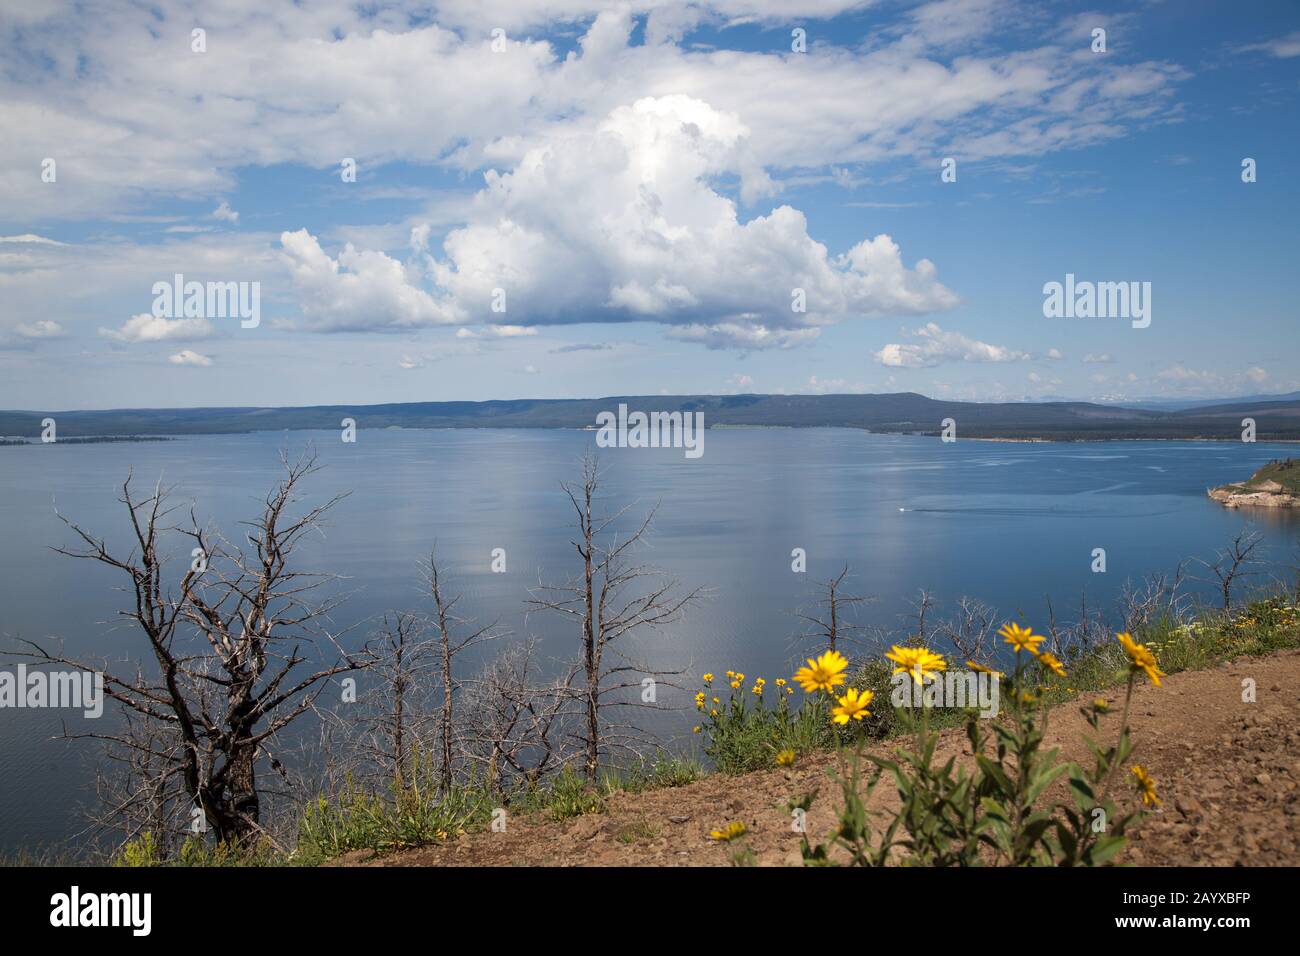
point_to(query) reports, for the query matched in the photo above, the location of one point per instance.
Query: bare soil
(1228, 773)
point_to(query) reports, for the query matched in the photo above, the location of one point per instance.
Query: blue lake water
(1007, 523)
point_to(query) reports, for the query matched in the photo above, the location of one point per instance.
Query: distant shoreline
(12, 441)
(901, 413)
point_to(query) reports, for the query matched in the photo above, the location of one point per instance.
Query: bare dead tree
(228, 649)
(832, 616)
(448, 626)
(1233, 562)
(610, 599)
(921, 608)
(1157, 596)
(515, 726)
(394, 726)
(970, 629)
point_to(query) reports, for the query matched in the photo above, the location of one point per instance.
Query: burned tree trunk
(229, 646)
(609, 600)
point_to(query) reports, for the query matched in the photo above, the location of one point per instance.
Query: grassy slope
(1286, 473)
(386, 822)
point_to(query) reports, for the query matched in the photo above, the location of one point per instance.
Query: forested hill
(903, 412)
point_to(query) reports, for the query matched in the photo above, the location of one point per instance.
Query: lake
(1007, 523)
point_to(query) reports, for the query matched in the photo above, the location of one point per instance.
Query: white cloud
(312, 83)
(40, 329)
(188, 357)
(497, 331)
(622, 223)
(937, 346)
(359, 290)
(619, 223)
(28, 237)
(146, 327)
(1101, 358)
(734, 335)
(665, 14)
(1283, 47)
(224, 212)
(1055, 355)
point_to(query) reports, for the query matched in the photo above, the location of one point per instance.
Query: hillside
(898, 413)
(1228, 775)
(1276, 485)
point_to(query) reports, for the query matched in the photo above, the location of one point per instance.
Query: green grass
(743, 738)
(412, 815)
(570, 794)
(1286, 473)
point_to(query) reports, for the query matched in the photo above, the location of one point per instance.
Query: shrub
(754, 723)
(1001, 810)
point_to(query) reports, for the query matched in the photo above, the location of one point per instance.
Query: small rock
(679, 819)
(1263, 779)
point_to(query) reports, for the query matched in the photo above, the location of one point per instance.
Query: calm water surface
(1007, 523)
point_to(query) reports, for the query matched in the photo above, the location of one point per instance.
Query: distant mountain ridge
(1172, 404)
(894, 413)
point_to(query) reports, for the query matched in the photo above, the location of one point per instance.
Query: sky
(492, 199)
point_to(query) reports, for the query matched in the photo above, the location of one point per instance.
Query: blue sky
(646, 184)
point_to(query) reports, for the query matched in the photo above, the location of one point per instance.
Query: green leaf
(1043, 781)
(994, 772)
(1103, 850)
(1081, 790)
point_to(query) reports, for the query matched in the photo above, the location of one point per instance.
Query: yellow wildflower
(708, 678)
(981, 669)
(1048, 660)
(920, 662)
(730, 832)
(853, 706)
(784, 758)
(1146, 786)
(824, 673)
(1021, 638)
(1142, 658)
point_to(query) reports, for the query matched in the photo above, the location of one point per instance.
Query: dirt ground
(1228, 773)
